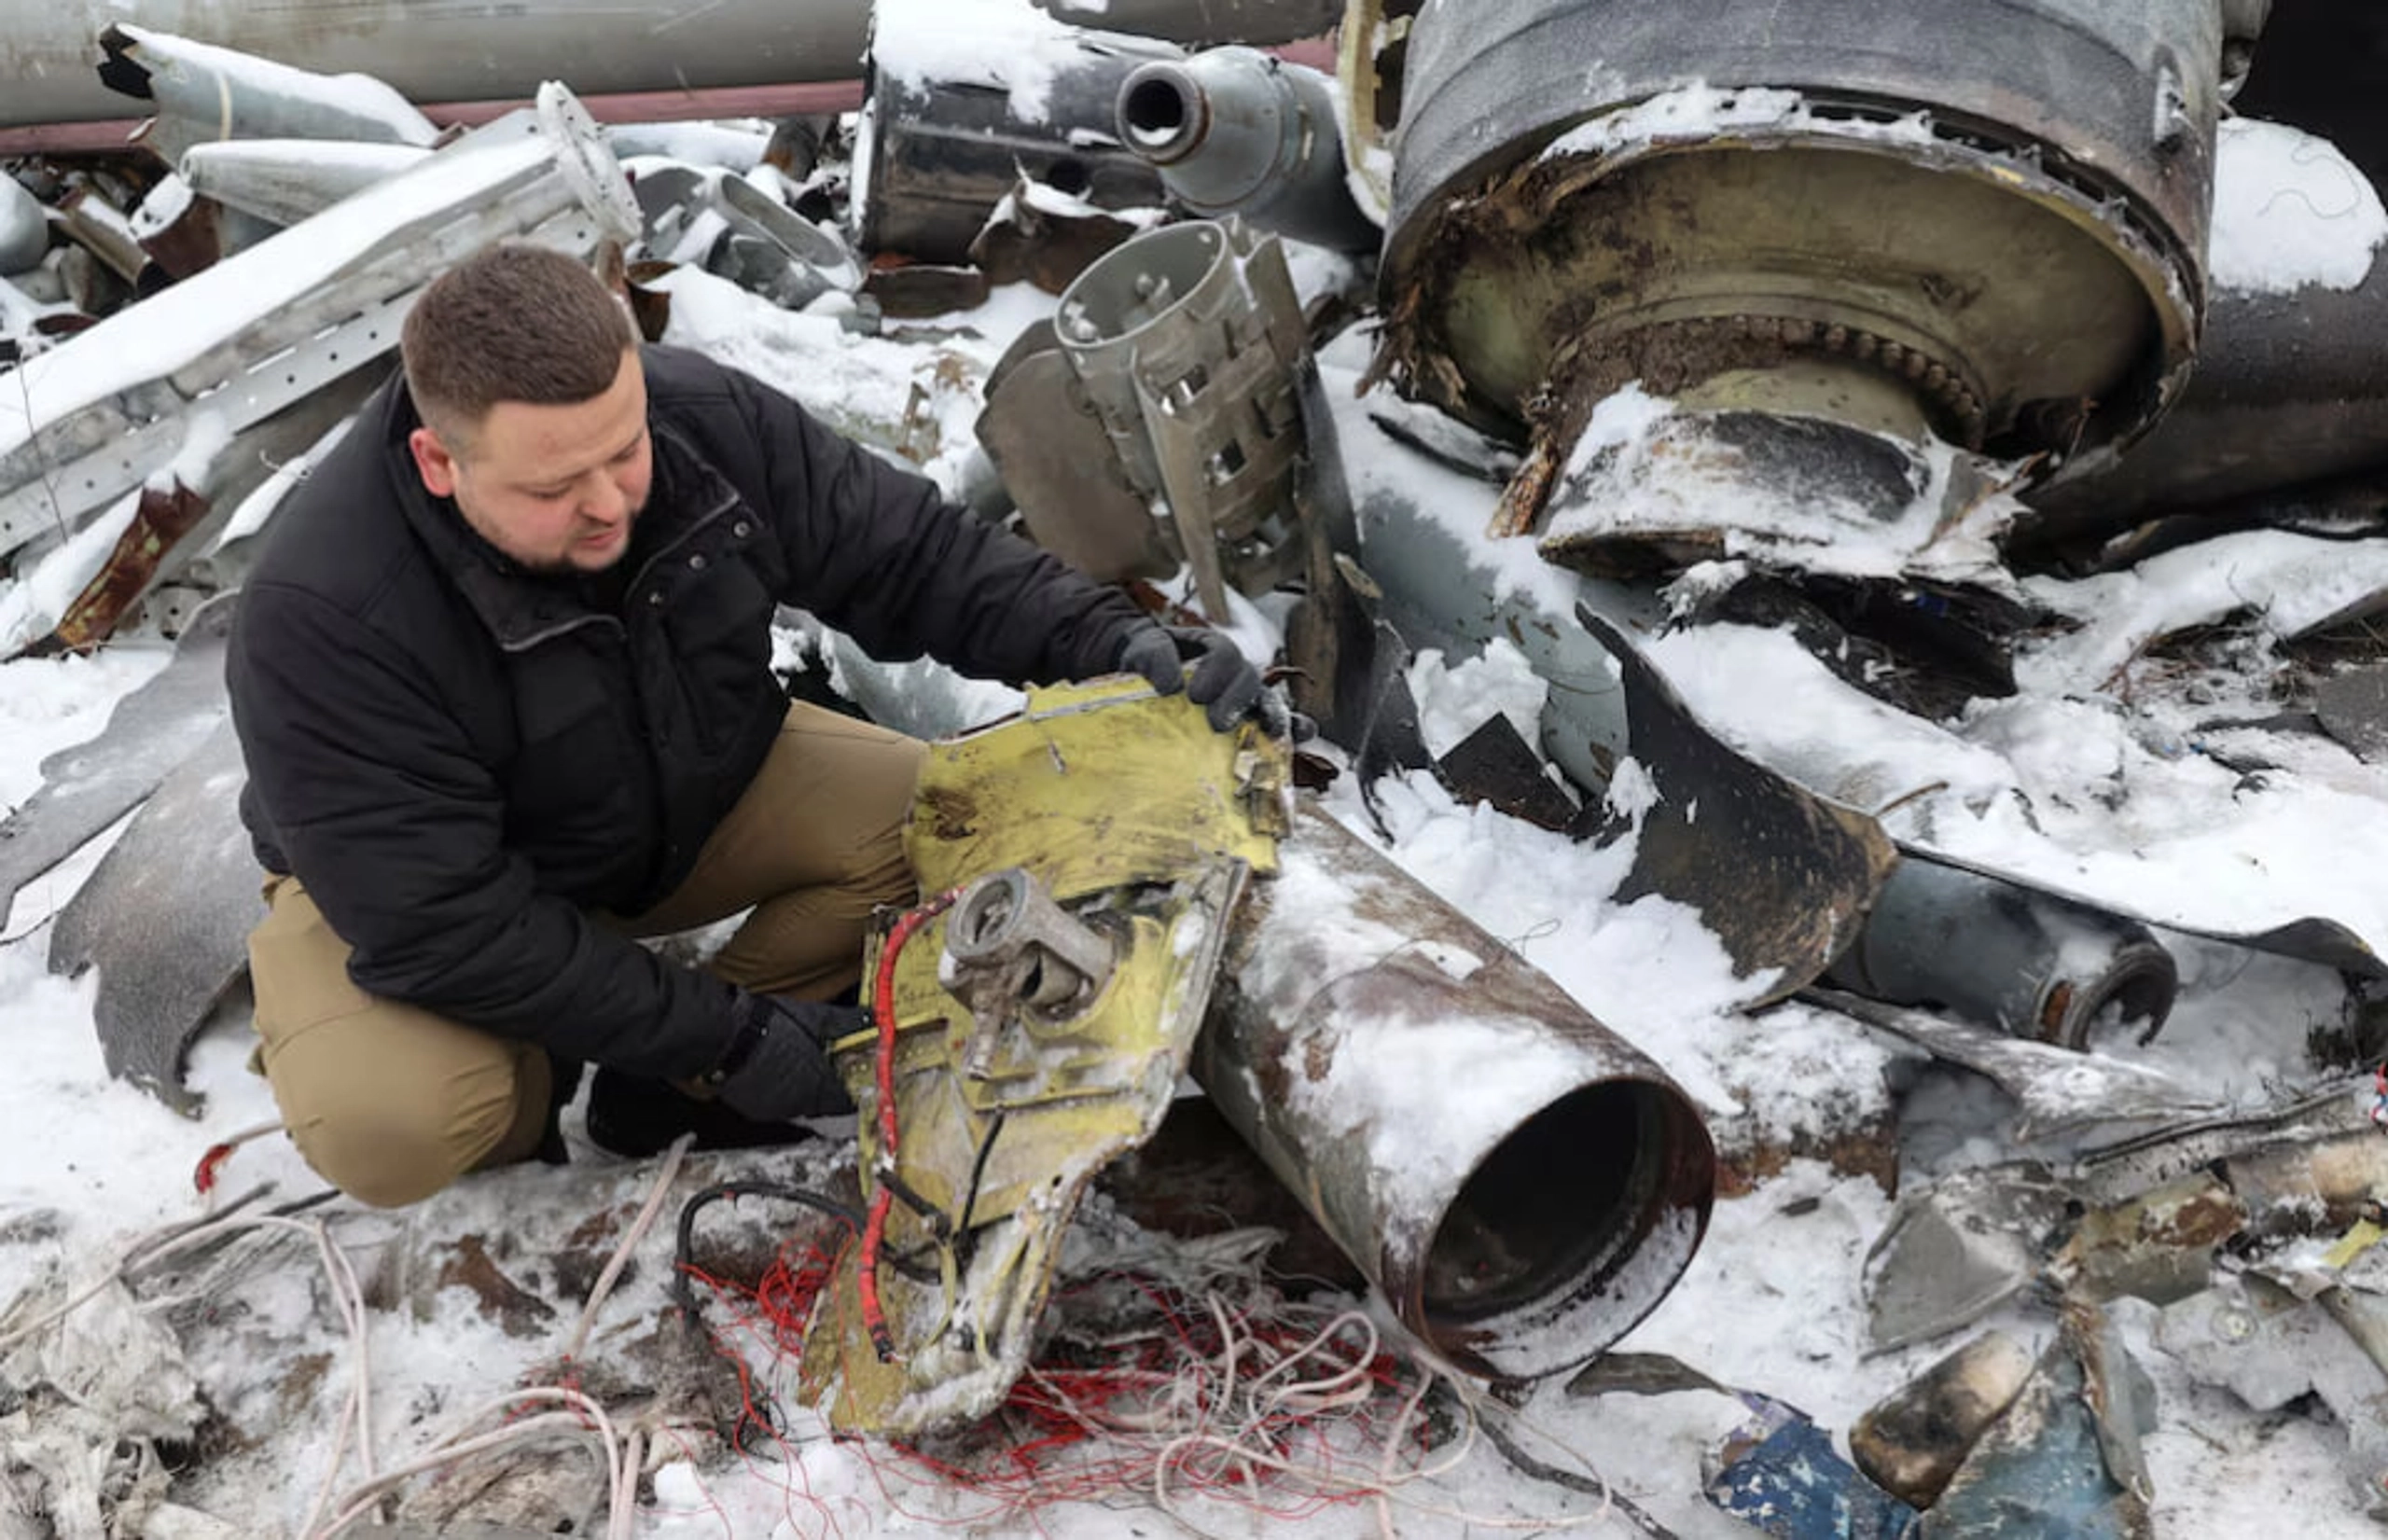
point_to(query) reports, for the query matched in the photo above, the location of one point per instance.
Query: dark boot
(638, 1117)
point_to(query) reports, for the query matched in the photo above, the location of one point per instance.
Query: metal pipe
(502, 49)
(1518, 1234)
(221, 93)
(2002, 956)
(1234, 131)
(2289, 392)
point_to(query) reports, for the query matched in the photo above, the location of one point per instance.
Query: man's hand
(776, 1066)
(1226, 687)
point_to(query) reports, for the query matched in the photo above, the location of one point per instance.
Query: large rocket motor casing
(2002, 204)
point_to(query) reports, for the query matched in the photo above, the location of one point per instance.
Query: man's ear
(433, 462)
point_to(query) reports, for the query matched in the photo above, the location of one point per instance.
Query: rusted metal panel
(163, 516)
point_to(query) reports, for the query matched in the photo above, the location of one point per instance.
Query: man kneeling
(502, 677)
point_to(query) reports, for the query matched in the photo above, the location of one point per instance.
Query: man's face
(555, 488)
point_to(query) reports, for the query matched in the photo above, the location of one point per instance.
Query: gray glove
(777, 1065)
(1222, 683)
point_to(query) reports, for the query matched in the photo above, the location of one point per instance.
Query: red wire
(874, 1230)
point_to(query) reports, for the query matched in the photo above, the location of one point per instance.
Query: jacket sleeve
(372, 791)
(876, 552)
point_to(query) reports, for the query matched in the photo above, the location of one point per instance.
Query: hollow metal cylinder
(2029, 963)
(2289, 392)
(1236, 130)
(1189, 343)
(1522, 1183)
(2002, 204)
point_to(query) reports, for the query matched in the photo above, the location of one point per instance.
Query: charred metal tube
(2029, 963)
(1999, 209)
(1237, 131)
(25, 227)
(2288, 391)
(485, 50)
(1522, 1183)
(939, 147)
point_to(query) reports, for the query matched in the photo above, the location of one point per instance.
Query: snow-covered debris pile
(1971, 812)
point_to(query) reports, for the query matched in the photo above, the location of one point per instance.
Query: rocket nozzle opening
(1161, 114)
(1558, 1207)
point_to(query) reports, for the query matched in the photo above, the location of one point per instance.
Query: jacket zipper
(638, 579)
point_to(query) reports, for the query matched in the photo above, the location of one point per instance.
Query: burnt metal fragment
(2287, 393)
(2159, 1245)
(2066, 1457)
(1927, 648)
(2060, 1090)
(1958, 1249)
(1495, 764)
(1911, 1442)
(150, 732)
(1781, 876)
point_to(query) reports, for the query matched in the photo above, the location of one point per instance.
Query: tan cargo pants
(390, 1103)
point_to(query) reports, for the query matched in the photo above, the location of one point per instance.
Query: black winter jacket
(460, 759)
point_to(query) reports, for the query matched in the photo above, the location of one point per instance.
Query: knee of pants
(391, 1138)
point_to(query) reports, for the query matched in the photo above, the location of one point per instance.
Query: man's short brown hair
(513, 323)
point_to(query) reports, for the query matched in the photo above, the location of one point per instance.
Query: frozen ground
(1771, 1303)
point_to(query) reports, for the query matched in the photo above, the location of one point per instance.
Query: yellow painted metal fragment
(1143, 825)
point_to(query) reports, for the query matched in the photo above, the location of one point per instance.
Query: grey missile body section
(1235, 130)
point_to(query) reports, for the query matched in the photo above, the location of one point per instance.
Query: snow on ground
(1770, 1303)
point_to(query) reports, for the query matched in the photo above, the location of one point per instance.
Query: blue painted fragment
(1795, 1486)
